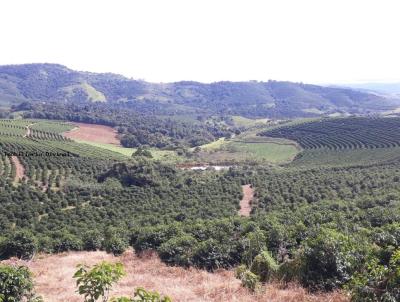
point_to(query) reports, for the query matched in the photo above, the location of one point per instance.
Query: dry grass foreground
(53, 278)
(93, 133)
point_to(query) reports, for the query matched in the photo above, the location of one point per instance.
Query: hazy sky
(208, 40)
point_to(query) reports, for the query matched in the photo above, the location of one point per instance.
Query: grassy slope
(164, 155)
(247, 122)
(249, 147)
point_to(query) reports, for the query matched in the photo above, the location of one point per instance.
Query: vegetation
(328, 226)
(16, 284)
(95, 284)
(247, 99)
(342, 133)
(134, 128)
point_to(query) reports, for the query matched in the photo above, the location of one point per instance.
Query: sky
(311, 41)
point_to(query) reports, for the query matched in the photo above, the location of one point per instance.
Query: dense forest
(136, 127)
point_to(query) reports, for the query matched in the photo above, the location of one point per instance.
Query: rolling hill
(273, 99)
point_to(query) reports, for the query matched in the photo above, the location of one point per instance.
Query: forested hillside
(47, 82)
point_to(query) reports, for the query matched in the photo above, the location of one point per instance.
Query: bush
(67, 242)
(153, 237)
(96, 282)
(377, 282)
(249, 279)
(211, 254)
(328, 261)
(264, 266)
(289, 270)
(142, 295)
(254, 243)
(16, 284)
(92, 241)
(115, 245)
(178, 250)
(21, 244)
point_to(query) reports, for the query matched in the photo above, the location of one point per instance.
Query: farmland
(342, 133)
(83, 195)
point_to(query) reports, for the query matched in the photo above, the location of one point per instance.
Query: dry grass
(93, 133)
(53, 276)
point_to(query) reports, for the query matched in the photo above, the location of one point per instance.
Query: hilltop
(273, 99)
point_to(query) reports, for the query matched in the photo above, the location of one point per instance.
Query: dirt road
(245, 203)
(19, 168)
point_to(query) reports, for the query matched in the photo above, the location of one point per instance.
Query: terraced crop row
(342, 133)
(49, 163)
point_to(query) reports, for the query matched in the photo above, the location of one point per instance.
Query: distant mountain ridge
(53, 82)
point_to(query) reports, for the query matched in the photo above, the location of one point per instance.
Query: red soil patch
(53, 277)
(245, 203)
(93, 133)
(19, 168)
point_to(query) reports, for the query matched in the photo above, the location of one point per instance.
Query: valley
(208, 203)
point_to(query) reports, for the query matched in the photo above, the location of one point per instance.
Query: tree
(16, 284)
(21, 244)
(377, 282)
(95, 283)
(328, 260)
(264, 266)
(141, 151)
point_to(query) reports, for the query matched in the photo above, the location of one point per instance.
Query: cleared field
(247, 147)
(93, 133)
(110, 147)
(53, 276)
(165, 155)
(247, 122)
(270, 152)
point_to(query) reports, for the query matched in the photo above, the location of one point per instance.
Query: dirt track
(245, 203)
(94, 133)
(19, 168)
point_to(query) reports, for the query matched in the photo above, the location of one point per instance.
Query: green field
(247, 122)
(51, 126)
(247, 147)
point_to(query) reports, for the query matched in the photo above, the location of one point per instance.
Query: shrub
(67, 242)
(328, 260)
(289, 270)
(16, 284)
(154, 237)
(115, 245)
(95, 283)
(142, 295)
(21, 244)
(264, 266)
(178, 250)
(254, 243)
(377, 282)
(249, 279)
(92, 241)
(211, 254)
